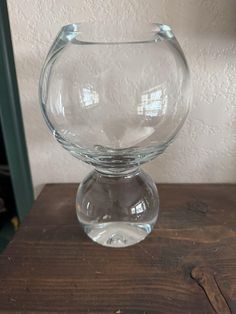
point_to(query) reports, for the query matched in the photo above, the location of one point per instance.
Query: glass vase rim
(90, 32)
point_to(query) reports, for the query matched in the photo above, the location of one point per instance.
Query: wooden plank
(51, 266)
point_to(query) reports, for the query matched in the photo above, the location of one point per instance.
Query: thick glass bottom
(119, 210)
(118, 234)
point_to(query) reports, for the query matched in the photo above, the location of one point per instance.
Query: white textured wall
(205, 150)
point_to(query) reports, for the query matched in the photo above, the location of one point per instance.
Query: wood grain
(206, 280)
(52, 267)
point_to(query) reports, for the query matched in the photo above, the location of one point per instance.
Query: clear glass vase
(115, 98)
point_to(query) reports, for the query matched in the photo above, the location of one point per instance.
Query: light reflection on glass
(89, 97)
(60, 107)
(153, 102)
(138, 208)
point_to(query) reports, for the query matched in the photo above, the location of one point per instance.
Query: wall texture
(205, 150)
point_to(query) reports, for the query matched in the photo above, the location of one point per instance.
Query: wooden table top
(187, 264)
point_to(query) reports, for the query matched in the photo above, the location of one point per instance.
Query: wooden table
(187, 265)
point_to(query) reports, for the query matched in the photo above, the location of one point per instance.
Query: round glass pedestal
(117, 210)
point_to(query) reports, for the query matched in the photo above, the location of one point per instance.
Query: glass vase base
(118, 234)
(117, 210)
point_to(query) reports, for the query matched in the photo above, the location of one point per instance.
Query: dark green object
(11, 120)
(6, 235)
